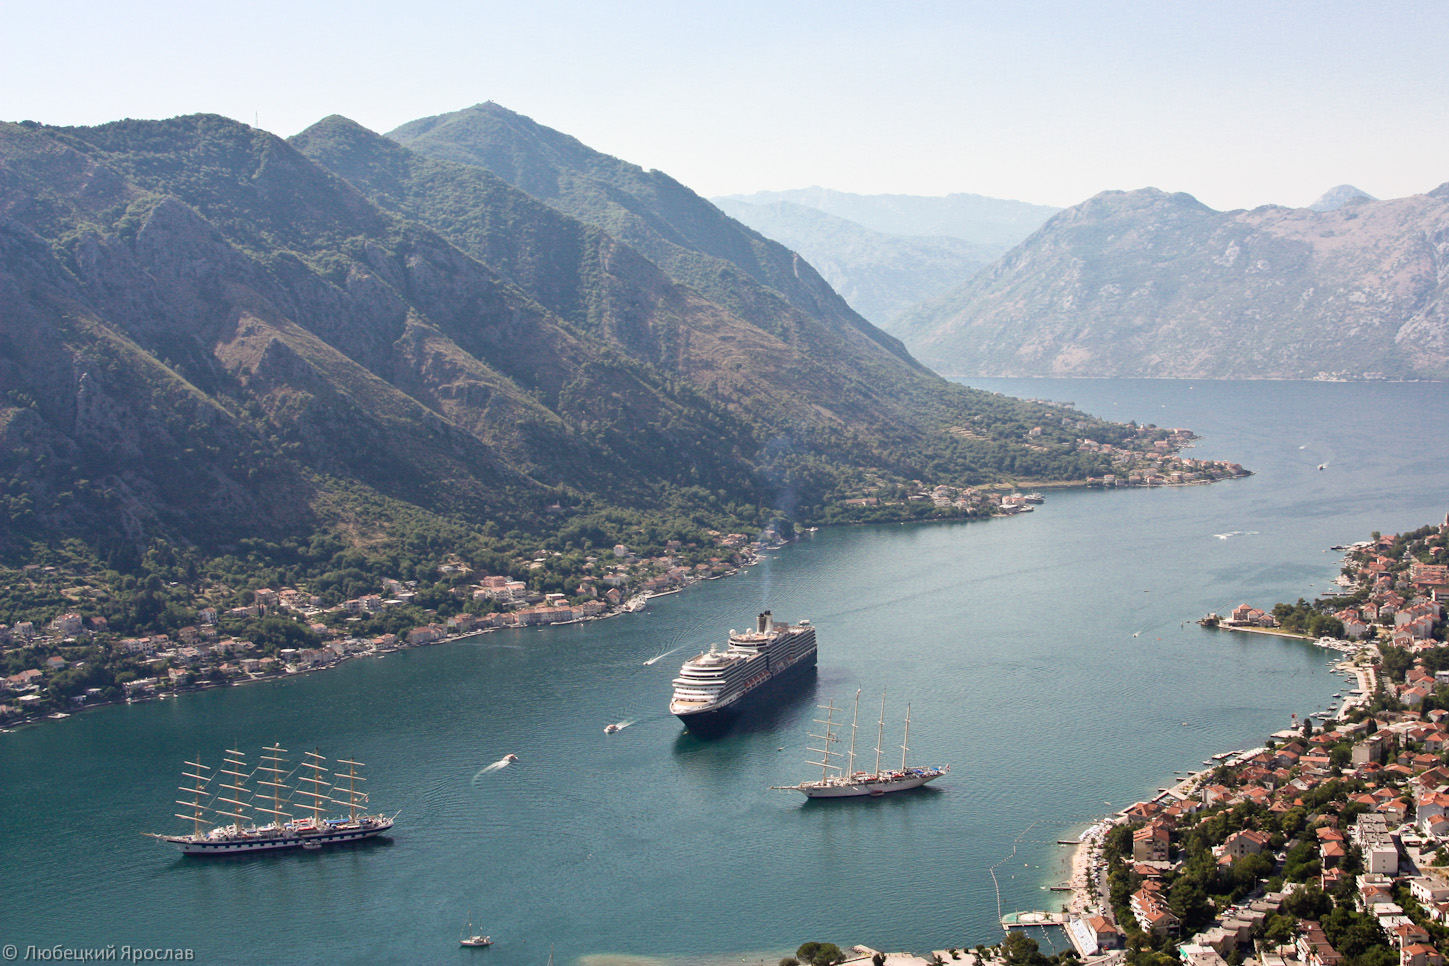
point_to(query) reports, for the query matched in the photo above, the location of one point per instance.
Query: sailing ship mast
(880, 731)
(315, 765)
(352, 792)
(234, 767)
(277, 782)
(853, 719)
(825, 739)
(198, 810)
(906, 737)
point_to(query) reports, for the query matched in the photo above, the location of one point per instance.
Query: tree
(1309, 902)
(827, 955)
(819, 954)
(1019, 949)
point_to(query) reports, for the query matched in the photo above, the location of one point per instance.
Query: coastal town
(1327, 845)
(58, 661)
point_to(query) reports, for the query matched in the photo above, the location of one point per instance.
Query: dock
(1020, 920)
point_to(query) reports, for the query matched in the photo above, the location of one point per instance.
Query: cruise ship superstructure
(718, 686)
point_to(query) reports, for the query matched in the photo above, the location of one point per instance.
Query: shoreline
(634, 605)
(1086, 867)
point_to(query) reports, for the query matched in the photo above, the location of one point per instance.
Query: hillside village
(74, 662)
(1328, 845)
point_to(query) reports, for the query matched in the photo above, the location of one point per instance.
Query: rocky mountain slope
(210, 338)
(695, 243)
(1145, 283)
(880, 275)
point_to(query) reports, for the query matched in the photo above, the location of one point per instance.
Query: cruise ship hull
(713, 722)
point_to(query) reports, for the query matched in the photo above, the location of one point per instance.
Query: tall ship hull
(857, 786)
(717, 688)
(241, 841)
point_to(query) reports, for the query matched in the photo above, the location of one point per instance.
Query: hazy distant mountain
(879, 274)
(1335, 198)
(973, 218)
(1144, 283)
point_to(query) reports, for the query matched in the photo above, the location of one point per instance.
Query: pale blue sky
(1238, 103)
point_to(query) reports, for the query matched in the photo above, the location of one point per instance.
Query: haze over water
(1012, 639)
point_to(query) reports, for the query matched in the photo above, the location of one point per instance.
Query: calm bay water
(1051, 659)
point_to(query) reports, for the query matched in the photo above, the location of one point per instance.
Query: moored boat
(471, 938)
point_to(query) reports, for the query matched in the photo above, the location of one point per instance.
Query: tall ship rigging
(272, 807)
(717, 687)
(847, 782)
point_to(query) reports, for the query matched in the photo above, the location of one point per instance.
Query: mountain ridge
(1148, 283)
(678, 230)
(970, 217)
(211, 340)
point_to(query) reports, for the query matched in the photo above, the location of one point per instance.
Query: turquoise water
(1012, 639)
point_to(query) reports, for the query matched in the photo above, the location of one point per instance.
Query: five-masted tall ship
(273, 790)
(835, 782)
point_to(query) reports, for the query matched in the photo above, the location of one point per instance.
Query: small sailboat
(471, 938)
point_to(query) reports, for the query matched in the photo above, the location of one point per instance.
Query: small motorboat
(510, 758)
(610, 729)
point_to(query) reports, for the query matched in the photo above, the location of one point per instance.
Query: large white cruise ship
(716, 687)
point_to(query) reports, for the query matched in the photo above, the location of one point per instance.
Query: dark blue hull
(714, 723)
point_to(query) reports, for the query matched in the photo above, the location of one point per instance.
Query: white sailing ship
(224, 822)
(847, 782)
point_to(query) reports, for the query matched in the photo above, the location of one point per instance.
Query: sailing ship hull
(193, 845)
(716, 720)
(840, 788)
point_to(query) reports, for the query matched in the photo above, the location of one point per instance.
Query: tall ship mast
(717, 687)
(234, 789)
(835, 782)
(827, 737)
(222, 823)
